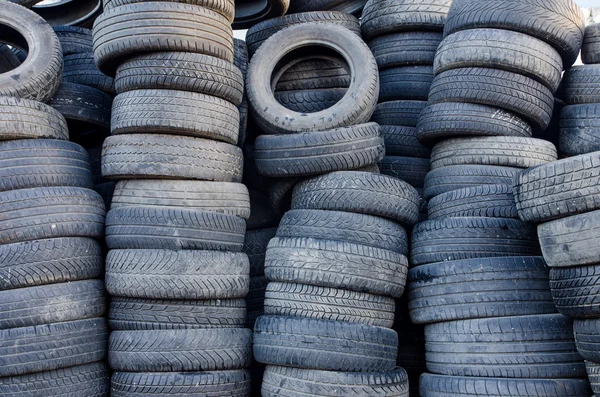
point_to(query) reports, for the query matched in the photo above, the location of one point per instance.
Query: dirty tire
(8, 59)
(586, 338)
(404, 113)
(405, 82)
(493, 201)
(412, 170)
(28, 119)
(582, 84)
(402, 141)
(80, 103)
(313, 74)
(74, 40)
(593, 370)
(350, 7)
(310, 101)
(579, 129)
(81, 69)
(590, 50)
(575, 290)
(255, 246)
(406, 48)
(223, 7)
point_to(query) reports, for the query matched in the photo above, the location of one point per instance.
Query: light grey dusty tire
(579, 129)
(494, 201)
(590, 50)
(356, 107)
(223, 7)
(29, 119)
(405, 48)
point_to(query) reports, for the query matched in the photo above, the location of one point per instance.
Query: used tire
(579, 129)
(251, 12)
(575, 290)
(403, 113)
(412, 170)
(223, 7)
(402, 141)
(586, 338)
(81, 69)
(405, 82)
(582, 84)
(255, 246)
(350, 7)
(406, 48)
(493, 201)
(313, 74)
(28, 119)
(74, 40)
(590, 50)
(593, 370)
(82, 104)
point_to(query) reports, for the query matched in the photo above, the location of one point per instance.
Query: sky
(588, 3)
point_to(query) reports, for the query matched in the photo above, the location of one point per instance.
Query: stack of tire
(563, 196)
(404, 36)
(52, 334)
(354, 7)
(176, 227)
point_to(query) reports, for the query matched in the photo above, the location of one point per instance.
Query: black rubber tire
(504, 346)
(260, 32)
(501, 49)
(309, 301)
(262, 216)
(582, 84)
(8, 59)
(81, 69)
(586, 338)
(346, 6)
(336, 264)
(315, 153)
(593, 371)
(356, 107)
(83, 105)
(132, 314)
(406, 48)
(222, 197)
(255, 246)
(565, 34)
(493, 201)
(50, 212)
(52, 346)
(251, 12)
(412, 170)
(460, 289)
(29, 163)
(571, 241)
(457, 386)
(402, 113)
(310, 101)
(402, 141)
(146, 227)
(244, 110)
(559, 189)
(183, 71)
(165, 274)
(74, 40)
(345, 227)
(180, 350)
(90, 380)
(447, 239)
(175, 112)
(446, 179)
(53, 303)
(579, 129)
(255, 300)
(39, 75)
(170, 157)
(190, 384)
(241, 57)
(28, 119)
(323, 344)
(590, 50)
(575, 290)
(359, 192)
(506, 90)
(501, 151)
(297, 382)
(80, 13)
(223, 7)
(381, 18)
(405, 83)
(314, 74)
(441, 121)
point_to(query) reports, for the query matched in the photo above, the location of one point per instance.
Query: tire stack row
(403, 36)
(562, 198)
(176, 227)
(53, 335)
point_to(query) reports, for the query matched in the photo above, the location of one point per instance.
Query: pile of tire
(77, 13)
(563, 199)
(53, 335)
(177, 221)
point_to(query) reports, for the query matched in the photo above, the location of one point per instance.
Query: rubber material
(493, 201)
(590, 50)
(579, 129)
(28, 119)
(83, 104)
(575, 290)
(406, 48)
(412, 170)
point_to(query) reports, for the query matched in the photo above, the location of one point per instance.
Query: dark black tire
(74, 40)
(593, 371)
(441, 121)
(335, 264)
(223, 7)
(403, 113)
(586, 338)
(506, 90)
(133, 314)
(309, 301)
(244, 117)
(356, 107)
(166, 26)
(412, 170)
(180, 350)
(344, 227)
(255, 300)
(259, 33)
(90, 380)
(493, 201)
(29, 163)
(405, 83)
(296, 382)
(359, 192)
(146, 227)
(571, 241)
(446, 239)
(49, 212)
(105, 190)
(501, 151)
(582, 84)
(460, 290)
(402, 141)
(222, 197)
(456, 177)
(501, 49)
(481, 347)
(83, 105)
(314, 73)
(39, 75)
(575, 290)
(170, 157)
(163, 274)
(315, 153)
(255, 246)
(241, 57)
(53, 346)
(565, 34)
(457, 386)
(406, 48)
(8, 59)
(380, 18)
(81, 69)
(310, 101)
(28, 119)
(559, 189)
(346, 6)
(579, 129)
(183, 71)
(322, 344)
(194, 384)
(590, 50)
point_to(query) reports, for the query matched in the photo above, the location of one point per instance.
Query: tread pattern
(28, 119)
(576, 290)
(406, 48)
(412, 170)
(493, 201)
(581, 84)
(593, 371)
(223, 7)
(586, 338)
(77, 102)
(403, 113)
(590, 50)
(255, 246)
(310, 101)
(579, 129)
(314, 73)
(402, 141)
(74, 39)
(81, 69)
(405, 83)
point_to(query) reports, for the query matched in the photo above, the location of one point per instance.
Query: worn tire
(28, 119)
(313, 74)
(493, 201)
(402, 141)
(582, 84)
(402, 113)
(81, 69)
(82, 104)
(406, 48)
(223, 7)
(350, 7)
(412, 170)
(579, 129)
(405, 83)
(310, 101)
(575, 290)
(74, 40)
(586, 338)
(255, 246)
(590, 50)
(593, 371)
